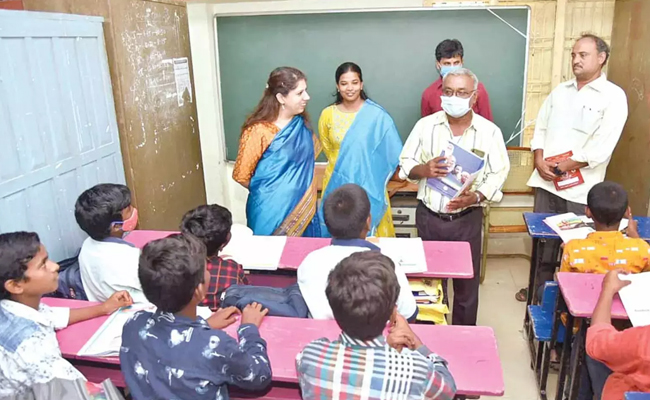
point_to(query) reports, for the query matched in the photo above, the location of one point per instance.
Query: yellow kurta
(332, 127)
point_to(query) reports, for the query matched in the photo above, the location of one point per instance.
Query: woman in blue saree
(276, 159)
(362, 146)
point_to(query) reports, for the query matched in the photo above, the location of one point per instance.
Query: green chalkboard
(395, 50)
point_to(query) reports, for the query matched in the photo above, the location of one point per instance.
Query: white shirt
(109, 266)
(587, 122)
(29, 351)
(316, 267)
(430, 137)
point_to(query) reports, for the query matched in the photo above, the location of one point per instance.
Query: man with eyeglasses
(449, 57)
(425, 155)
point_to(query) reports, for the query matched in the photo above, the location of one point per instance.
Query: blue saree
(282, 198)
(368, 157)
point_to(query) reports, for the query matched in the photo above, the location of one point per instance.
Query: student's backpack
(281, 302)
(70, 284)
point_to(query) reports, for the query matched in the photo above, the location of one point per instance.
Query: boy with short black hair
(347, 216)
(362, 290)
(212, 224)
(607, 248)
(173, 353)
(29, 350)
(107, 262)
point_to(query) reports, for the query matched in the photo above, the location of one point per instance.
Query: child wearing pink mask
(107, 262)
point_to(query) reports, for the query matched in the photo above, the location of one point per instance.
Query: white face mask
(455, 106)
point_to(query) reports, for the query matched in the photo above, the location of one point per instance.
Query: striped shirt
(349, 368)
(431, 135)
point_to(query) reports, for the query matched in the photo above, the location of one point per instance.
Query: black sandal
(522, 295)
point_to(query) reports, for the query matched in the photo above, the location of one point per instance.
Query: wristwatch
(556, 170)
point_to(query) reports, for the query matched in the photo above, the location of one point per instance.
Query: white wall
(219, 185)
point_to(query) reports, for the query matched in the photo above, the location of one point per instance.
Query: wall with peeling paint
(158, 128)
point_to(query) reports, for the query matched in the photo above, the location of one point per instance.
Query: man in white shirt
(108, 263)
(438, 217)
(584, 116)
(347, 216)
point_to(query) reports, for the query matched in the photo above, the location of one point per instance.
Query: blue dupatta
(368, 157)
(281, 189)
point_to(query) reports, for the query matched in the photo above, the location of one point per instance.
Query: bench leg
(546, 361)
(566, 349)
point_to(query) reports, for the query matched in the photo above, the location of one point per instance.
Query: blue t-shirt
(166, 356)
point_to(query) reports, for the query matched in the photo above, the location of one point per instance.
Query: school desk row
(471, 352)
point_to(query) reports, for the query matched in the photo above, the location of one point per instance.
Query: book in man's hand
(463, 170)
(568, 179)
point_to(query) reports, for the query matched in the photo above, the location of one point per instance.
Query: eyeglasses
(459, 93)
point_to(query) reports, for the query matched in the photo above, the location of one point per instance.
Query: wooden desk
(471, 352)
(444, 259)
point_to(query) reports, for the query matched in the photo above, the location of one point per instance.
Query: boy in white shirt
(347, 216)
(29, 350)
(107, 262)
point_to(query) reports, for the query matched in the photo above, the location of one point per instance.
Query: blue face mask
(445, 69)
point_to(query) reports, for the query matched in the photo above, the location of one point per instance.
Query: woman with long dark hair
(276, 159)
(362, 146)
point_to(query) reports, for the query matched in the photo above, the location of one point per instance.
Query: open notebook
(570, 226)
(408, 252)
(106, 342)
(255, 252)
(636, 298)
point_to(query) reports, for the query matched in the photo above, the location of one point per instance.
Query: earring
(283, 106)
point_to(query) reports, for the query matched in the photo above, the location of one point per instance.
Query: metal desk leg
(531, 279)
(578, 358)
(566, 349)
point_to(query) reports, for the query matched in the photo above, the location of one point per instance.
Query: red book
(568, 179)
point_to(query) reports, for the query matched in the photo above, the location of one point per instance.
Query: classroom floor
(499, 310)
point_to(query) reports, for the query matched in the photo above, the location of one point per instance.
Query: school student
(347, 216)
(107, 262)
(362, 290)
(607, 248)
(602, 251)
(175, 354)
(211, 224)
(29, 350)
(626, 353)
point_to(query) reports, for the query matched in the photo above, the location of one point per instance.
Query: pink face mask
(129, 224)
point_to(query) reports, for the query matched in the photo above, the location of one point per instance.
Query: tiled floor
(499, 310)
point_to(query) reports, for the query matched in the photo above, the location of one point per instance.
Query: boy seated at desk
(347, 216)
(107, 262)
(212, 224)
(29, 350)
(626, 353)
(362, 290)
(607, 248)
(602, 251)
(174, 354)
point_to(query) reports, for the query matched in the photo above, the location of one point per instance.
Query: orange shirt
(626, 353)
(602, 252)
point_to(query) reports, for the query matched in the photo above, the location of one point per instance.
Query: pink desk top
(74, 337)
(444, 259)
(471, 351)
(581, 293)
